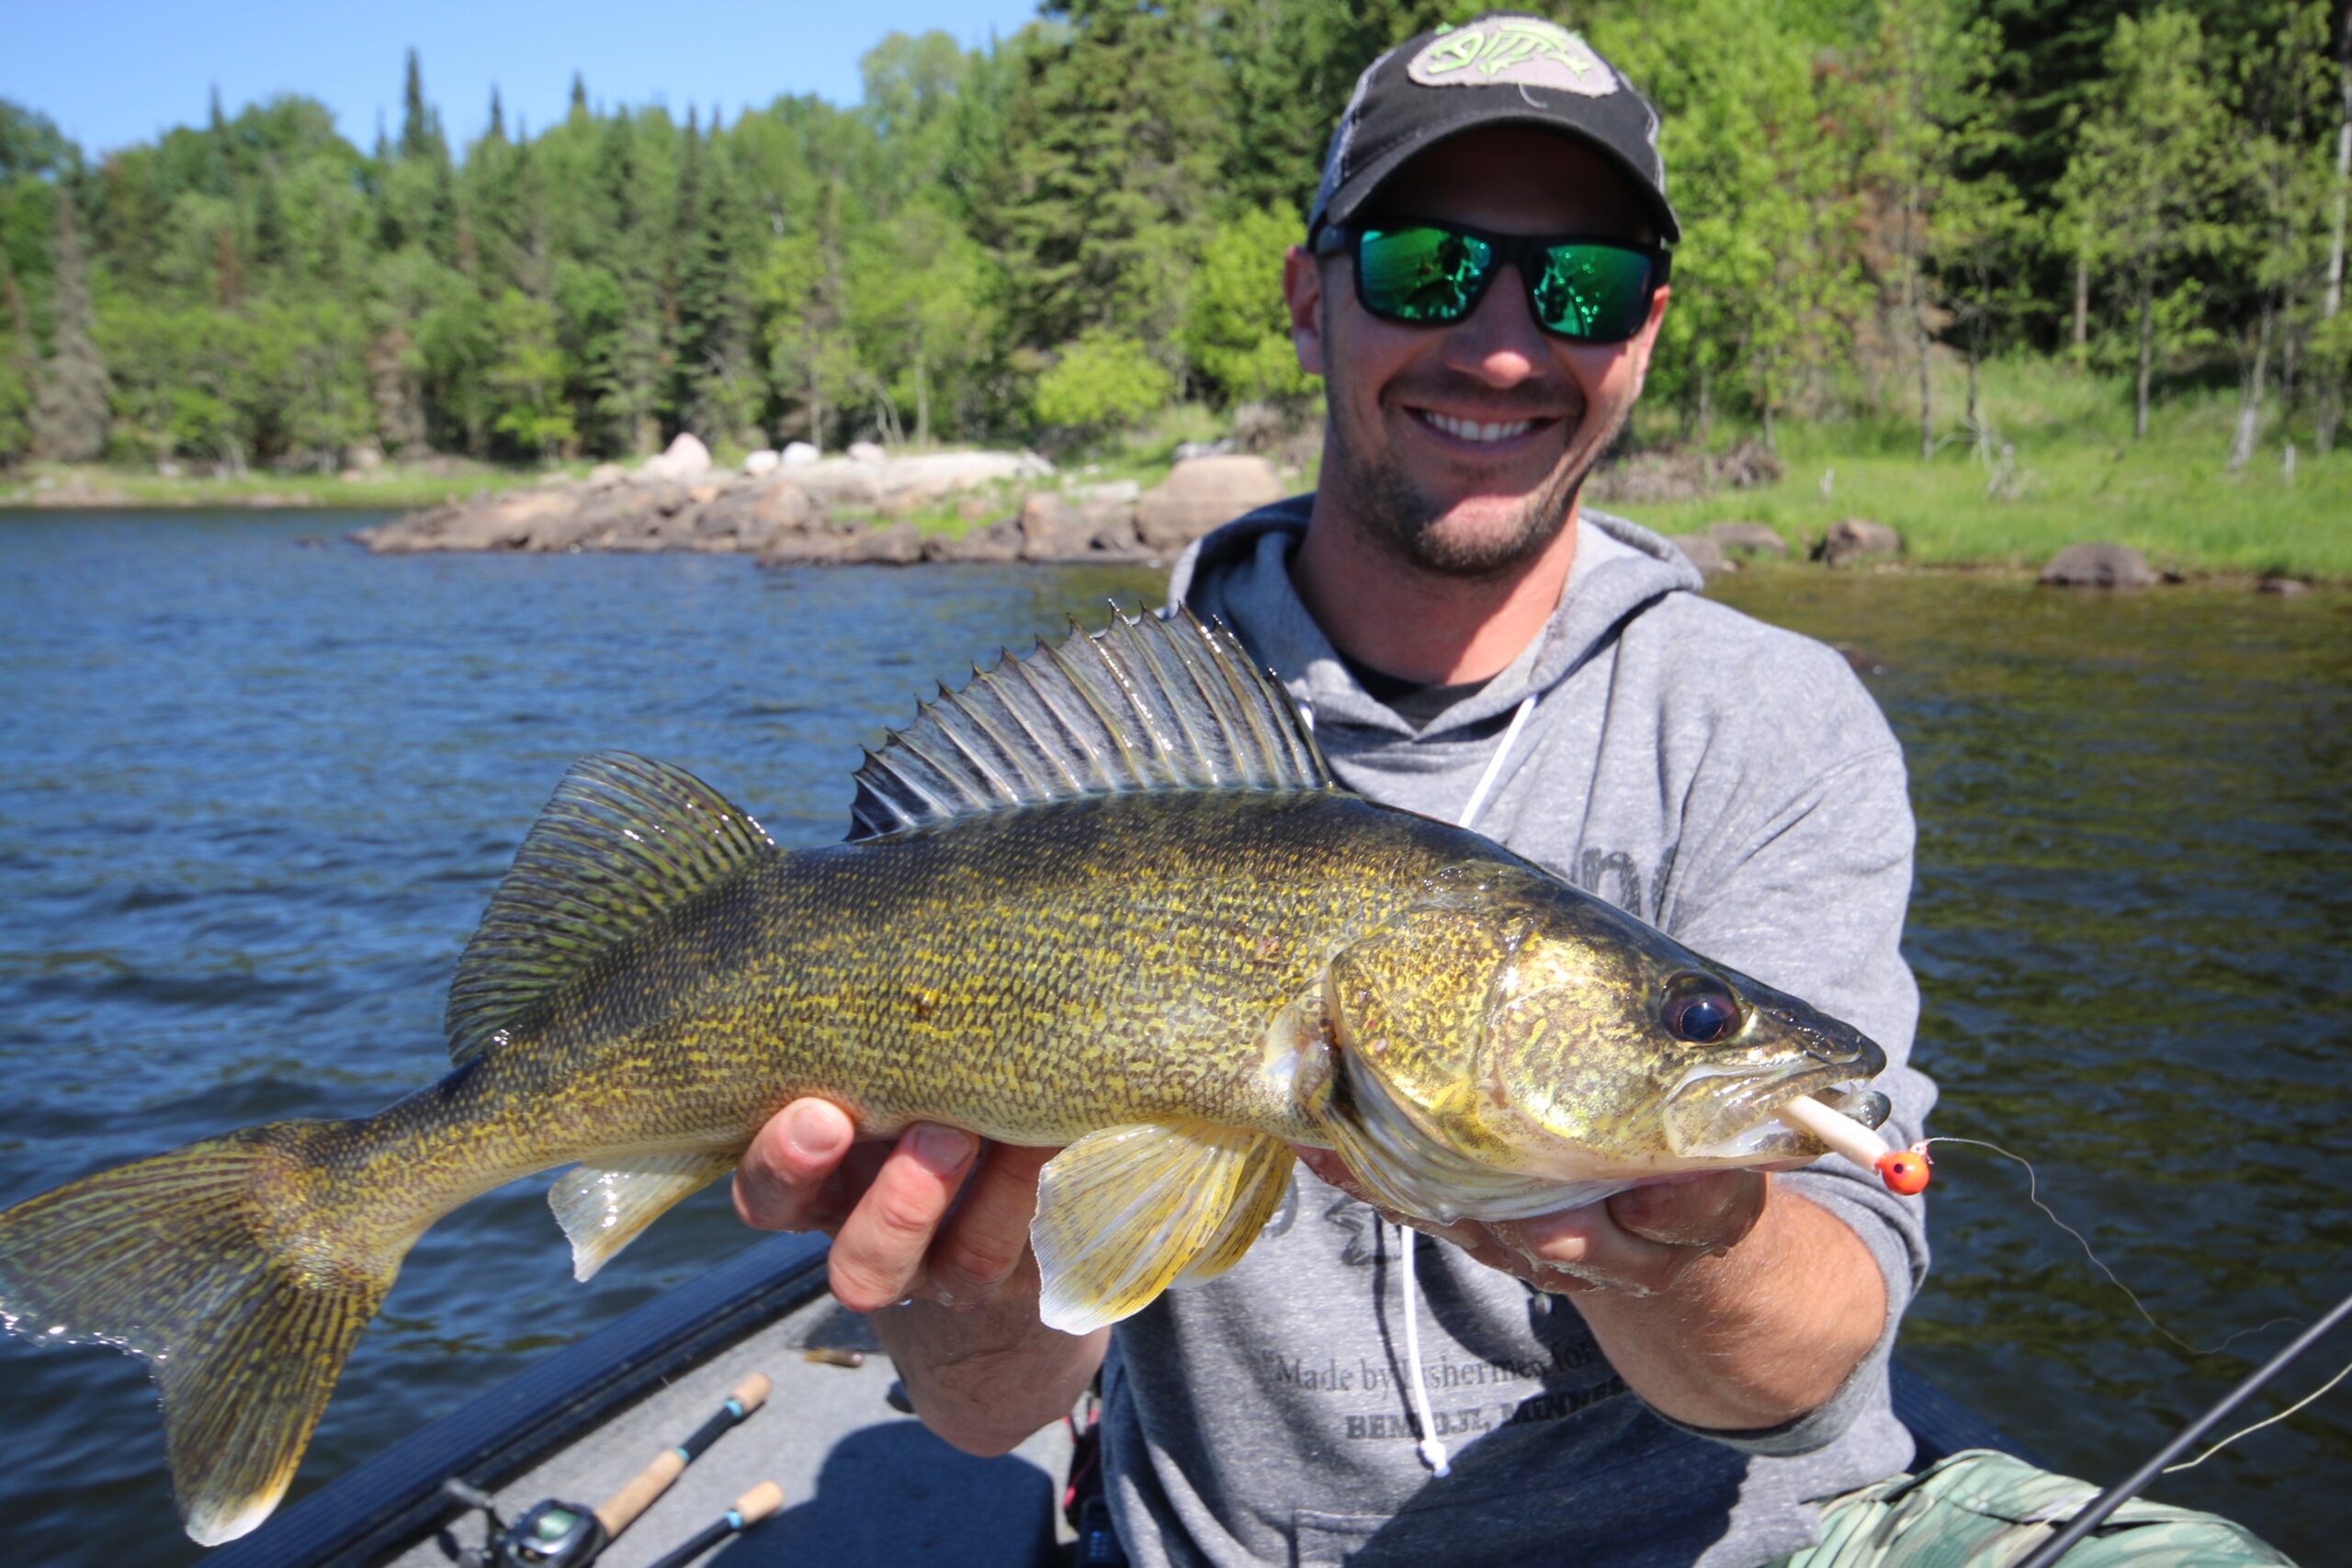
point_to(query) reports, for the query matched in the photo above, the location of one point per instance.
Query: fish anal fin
(604, 1206)
(1122, 1212)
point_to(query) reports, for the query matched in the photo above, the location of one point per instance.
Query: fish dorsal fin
(1148, 703)
(623, 839)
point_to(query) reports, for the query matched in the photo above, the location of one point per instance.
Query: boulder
(999, 541)
(607, 474)
(2284, 587)
(1054, 529)
(1704, 553)
(786, 548)
(687, 458)
(898, 545)
(761, 462)
(746, 516)
(1748, 539)
(796, 453)
(2098, 565)
(1051, 528)
(1855, 539)
(1200, 494)
(866, 452)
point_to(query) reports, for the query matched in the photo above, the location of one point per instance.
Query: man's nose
(1499, 342)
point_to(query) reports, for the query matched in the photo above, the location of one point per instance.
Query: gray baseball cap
(1503, 69)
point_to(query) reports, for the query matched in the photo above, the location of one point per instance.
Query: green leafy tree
(1099, 382)
(1239, 332)
(2141, 189)
(919, 296)
(1765, 294)
(526, 379)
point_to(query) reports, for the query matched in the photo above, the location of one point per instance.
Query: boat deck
(862, 1483)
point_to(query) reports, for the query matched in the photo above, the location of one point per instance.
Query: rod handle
(752, 1392)
(619, 1511)
(759, 1502)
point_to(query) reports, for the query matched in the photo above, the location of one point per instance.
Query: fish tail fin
(228, 1267)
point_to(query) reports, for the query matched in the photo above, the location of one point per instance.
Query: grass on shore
(2080, 476)
(395, 487)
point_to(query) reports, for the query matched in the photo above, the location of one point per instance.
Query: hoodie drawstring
(1431, 1450)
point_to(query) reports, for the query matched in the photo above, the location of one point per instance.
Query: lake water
(258, 786)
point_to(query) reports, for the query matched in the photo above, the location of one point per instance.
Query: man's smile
(1482, 431)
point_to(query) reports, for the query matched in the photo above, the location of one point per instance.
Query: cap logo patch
(1522, 50)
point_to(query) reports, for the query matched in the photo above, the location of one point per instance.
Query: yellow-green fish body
(1104, 899)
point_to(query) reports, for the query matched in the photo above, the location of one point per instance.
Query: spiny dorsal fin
(623, 839)
(1148, 703)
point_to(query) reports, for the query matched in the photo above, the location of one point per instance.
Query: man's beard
(1402, 521)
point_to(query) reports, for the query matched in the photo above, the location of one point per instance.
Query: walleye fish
(1106, 897)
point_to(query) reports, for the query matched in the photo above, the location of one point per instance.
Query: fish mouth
(1724, 1110)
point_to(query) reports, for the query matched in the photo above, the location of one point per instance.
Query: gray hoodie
(1728, 781)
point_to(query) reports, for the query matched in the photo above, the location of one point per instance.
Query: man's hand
(1639, 1241)
(938, 1221)
(892, 1209)
(1723, 1300)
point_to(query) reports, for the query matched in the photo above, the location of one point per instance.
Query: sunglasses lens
(1421, 275)
(1598, 293)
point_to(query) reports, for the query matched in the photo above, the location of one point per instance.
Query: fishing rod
(748, 1510)
(2095, 1511)
(553, 1533)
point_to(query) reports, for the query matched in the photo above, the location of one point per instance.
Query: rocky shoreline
(795, 509)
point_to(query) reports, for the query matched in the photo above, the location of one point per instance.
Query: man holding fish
(1668, 1375)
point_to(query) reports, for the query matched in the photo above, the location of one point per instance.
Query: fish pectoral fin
(1265, 1177)
(604, 1207)
(1123, 1212)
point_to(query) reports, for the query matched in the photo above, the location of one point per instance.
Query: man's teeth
(1471, 430)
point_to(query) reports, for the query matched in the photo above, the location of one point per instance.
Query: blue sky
(115, 71)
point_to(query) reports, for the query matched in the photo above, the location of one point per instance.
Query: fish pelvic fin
(1150, 702)
(1124, 1212)
(214, 1263)
(604, 1207)
(623, 839)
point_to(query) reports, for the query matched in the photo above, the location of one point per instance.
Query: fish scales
(1151, 933)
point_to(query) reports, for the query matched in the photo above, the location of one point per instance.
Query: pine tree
(1112, 142)
(714, 395)
(18, 365)
(71, 416)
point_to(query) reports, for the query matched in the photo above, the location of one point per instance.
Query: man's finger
(878, 1258)
(985, 1238)
(781, 1181)
(1711, 1212)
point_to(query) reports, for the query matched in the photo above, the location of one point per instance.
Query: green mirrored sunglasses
(1433, 274)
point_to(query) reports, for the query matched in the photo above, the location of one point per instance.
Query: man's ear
(1646, 340)
(1303, 294)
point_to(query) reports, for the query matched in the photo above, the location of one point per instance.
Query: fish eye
(1701, 1011)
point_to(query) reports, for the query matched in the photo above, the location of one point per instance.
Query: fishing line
(2033, 1196)
(2258, 1425)
(2115, 1496)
